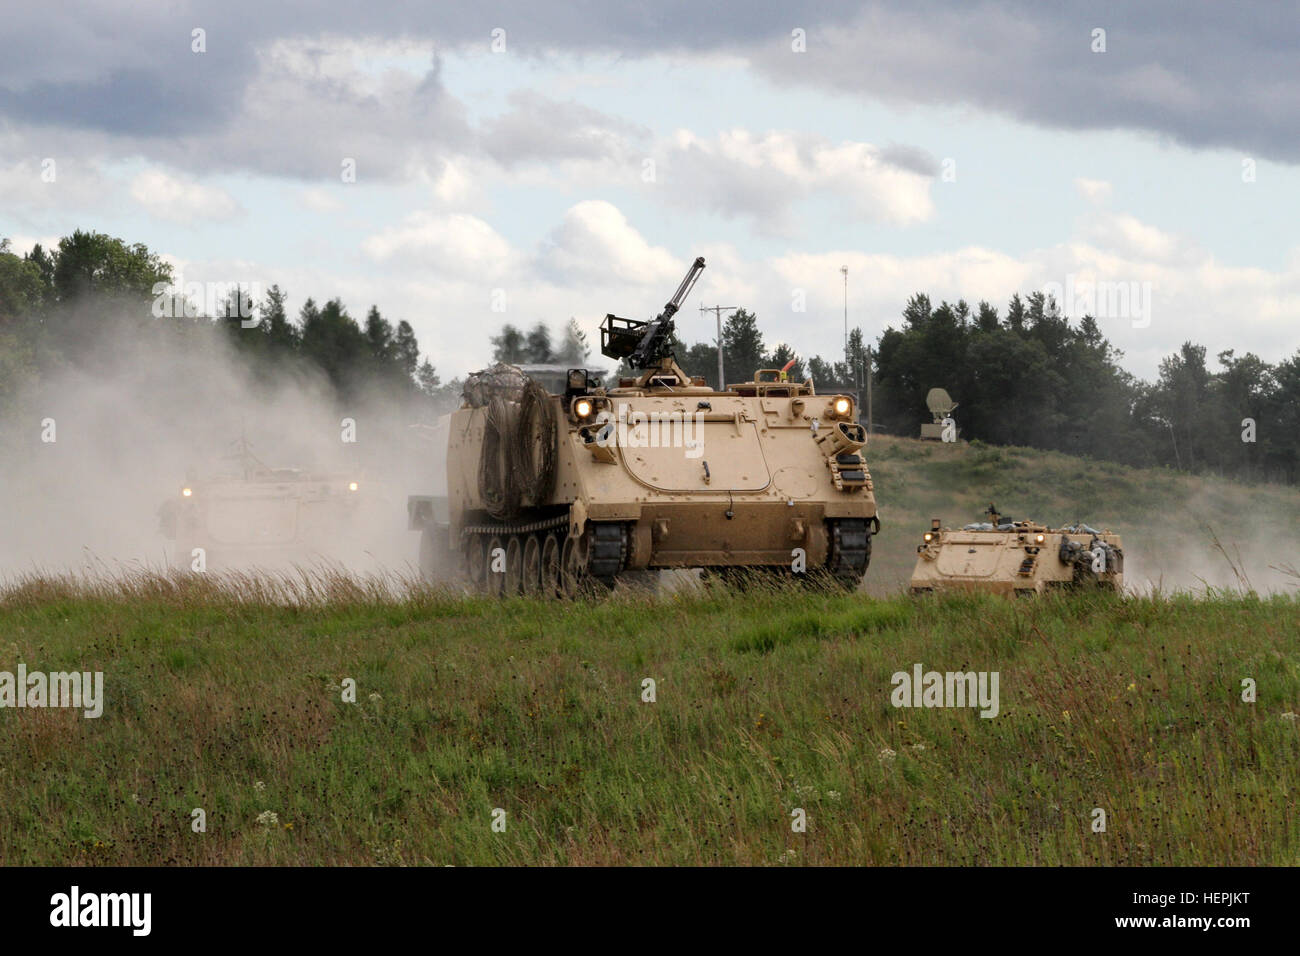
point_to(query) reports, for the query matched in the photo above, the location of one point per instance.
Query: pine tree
(509, 346)
(742, 345)
(574, 349)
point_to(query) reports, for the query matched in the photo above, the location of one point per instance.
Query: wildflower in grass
(918, 747)
(268, 818)
(833, 794)
(375, 698)
(259, 786)
(289, 825)
(887, 754)
(1290, 716)
(1133, 686)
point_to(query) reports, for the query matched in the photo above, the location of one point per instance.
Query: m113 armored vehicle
(252, 515)
(548, 491)
(1005, 556)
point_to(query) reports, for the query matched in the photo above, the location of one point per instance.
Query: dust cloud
(1230, 537)
(94, 453)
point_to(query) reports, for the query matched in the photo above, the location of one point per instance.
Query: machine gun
(646, 344)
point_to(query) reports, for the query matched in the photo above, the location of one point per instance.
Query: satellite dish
(940, 403)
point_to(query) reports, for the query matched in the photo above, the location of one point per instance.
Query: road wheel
(573, 565)
(550, 570)
(476, 561)
(532, 582)
(514, 566)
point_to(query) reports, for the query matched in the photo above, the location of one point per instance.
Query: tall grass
(765, 702)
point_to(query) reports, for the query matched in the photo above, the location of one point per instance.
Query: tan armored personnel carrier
(253, 515)
(1017, 557)
(545, 492)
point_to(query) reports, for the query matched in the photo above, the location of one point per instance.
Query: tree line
(93, 296)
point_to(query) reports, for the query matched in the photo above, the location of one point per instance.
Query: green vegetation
(227, 695)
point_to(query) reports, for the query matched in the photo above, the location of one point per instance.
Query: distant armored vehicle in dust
(545, 492)
(252, 514)
(1005, 556)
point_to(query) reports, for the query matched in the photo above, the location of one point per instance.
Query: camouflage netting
(500, 381)
(517, 462)
(500, 429)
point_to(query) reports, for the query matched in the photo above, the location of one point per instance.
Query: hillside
(1169, 520)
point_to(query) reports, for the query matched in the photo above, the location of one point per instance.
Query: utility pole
(717, 312)
(845, 270)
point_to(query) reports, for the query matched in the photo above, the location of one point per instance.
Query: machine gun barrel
(654, 344)
(684, 289)
(645, 344)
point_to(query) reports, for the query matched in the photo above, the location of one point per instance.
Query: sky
(470, 165)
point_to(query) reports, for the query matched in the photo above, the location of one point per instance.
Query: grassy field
(224, 696)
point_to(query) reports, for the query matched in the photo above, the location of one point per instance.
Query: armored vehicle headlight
(352, 486)
(582, 407)
(842, 406)
(1040, 538)
(186, 492)
(929, 536)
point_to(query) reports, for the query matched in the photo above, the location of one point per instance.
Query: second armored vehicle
(252, 515)
(544, 492)
(1005, 556)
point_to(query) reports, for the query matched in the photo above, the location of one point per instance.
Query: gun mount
(646, 344)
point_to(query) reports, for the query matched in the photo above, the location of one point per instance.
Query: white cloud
(454, 186)
(596, 240)
(31, 187)
(320, 200)
(450, 244)
(1096, 191)
(1128, 236)
(739, 173)
(182, 200)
